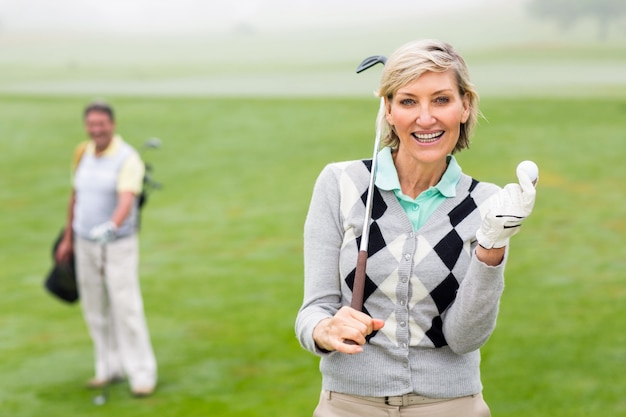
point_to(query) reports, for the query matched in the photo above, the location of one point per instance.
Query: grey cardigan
(438, 301)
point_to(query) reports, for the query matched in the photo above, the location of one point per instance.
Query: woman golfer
(437, 250)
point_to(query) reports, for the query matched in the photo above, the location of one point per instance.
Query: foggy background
(299, 47)
(176, 17)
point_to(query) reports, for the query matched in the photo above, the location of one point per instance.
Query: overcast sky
(206, 16)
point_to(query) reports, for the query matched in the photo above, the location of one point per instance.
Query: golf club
(153, 143)
(101, 398)
(150, 183)
(358, 288)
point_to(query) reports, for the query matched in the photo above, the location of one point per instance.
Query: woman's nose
(424, 116)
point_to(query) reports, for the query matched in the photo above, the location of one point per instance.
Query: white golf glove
(505, 212)
(103, 233)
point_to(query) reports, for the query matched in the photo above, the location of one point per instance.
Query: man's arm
(125, 200)
(66, 246)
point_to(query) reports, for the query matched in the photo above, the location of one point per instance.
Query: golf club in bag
(149, 183)
(361, 263)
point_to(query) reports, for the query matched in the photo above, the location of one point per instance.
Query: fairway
(221, 253)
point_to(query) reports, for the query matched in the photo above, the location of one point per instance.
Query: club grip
(358, 288)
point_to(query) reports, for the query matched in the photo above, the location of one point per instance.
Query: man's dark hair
(99, 106)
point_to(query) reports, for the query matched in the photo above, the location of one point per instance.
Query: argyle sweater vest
(438, 301)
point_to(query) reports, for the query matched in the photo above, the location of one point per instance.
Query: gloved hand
(103, 233)
(505, 212)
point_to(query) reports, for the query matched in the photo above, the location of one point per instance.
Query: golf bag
(61, 281)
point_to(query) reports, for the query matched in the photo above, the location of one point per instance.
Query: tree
(567, 13)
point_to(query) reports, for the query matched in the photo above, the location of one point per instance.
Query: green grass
(222, 265)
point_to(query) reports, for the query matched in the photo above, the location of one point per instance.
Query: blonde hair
(410, 61)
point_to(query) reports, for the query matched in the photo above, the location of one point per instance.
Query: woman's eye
(407, 101)
(442, 100)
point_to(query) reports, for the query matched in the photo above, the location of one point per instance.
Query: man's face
(100, 128)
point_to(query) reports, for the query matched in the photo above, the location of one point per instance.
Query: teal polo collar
(387, 176)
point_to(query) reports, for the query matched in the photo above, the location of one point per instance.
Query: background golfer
(437, 252)
(102, 230)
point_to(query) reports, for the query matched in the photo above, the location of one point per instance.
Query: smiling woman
(436, 254)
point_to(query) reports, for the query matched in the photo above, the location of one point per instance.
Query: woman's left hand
(505, 212)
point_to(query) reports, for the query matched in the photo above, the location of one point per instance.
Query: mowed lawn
(221, 253)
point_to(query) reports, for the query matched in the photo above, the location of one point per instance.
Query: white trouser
(108, 283)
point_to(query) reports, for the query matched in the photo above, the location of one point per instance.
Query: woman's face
(427, 115)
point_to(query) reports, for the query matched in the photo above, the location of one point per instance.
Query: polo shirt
(419, 209)
(130, 177)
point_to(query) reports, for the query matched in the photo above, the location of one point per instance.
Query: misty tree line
(567, 13)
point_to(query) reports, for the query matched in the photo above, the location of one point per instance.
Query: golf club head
(370, 61)
(153, 143)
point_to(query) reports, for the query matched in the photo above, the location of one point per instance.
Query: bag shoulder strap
(78, 154)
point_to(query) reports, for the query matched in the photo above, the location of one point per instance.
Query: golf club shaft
(104, 393)
(358, 288)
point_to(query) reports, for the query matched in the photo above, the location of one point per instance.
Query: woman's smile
(427, 138)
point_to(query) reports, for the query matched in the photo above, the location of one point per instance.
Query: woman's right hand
(347, 324)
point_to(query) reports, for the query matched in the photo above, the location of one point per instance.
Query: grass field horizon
(221, 243)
